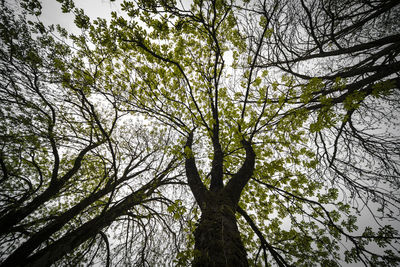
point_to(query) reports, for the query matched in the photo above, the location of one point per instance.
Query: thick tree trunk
(217, 238)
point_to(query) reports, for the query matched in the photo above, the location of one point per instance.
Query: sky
(51, 12)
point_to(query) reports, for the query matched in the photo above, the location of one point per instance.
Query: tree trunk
(217, 238)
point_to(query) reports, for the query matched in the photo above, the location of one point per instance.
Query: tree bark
(217, 237)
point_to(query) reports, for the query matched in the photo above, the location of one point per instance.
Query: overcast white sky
(51, 13)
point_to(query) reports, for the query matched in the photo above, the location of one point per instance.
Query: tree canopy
(203, 133)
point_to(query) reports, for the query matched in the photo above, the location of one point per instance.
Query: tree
(282, 116)
(275, 104)
(70, 168)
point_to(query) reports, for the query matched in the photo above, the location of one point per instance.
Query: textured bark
(217, 238)
(192, 174)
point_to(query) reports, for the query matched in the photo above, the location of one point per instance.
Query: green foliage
(177, 209)
(383, 88)
(310, 89)
(33, 7)
(183, 65)
(81, 20)
(204, 69)
(66, 5)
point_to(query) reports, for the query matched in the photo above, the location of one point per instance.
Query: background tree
(70, 166)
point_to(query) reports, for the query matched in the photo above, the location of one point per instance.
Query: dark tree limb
(277, 257)
(196, 185)
(236, 184)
